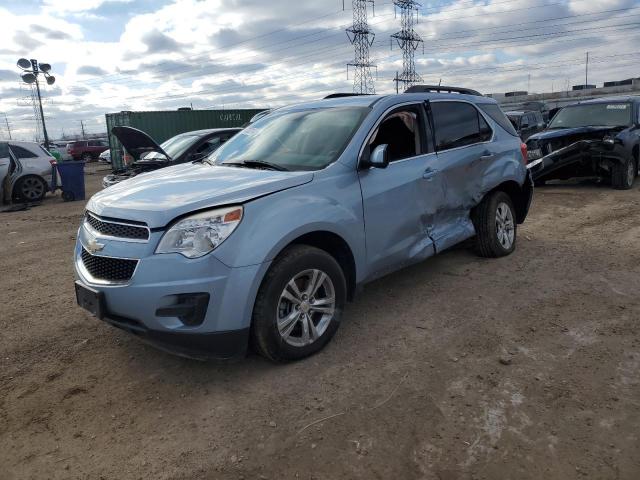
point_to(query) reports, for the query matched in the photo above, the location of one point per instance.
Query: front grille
(116, 229)
(107, 268)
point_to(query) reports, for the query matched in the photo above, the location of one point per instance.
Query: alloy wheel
(306, 307)
(631, 173)
(505, 225)
(32, 189)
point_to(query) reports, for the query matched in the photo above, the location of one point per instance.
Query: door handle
(487, 156)
(429, 174)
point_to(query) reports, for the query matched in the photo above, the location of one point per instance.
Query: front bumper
(158, 280)
(201, 346)
(582, 157)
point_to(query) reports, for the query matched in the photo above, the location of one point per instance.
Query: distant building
(514, 101)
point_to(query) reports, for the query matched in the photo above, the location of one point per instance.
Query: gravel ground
(526, 367)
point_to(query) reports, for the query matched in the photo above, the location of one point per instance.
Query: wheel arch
(337, 247)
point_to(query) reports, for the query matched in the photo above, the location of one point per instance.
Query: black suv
(592, 138)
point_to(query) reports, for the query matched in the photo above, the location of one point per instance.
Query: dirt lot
(460, 368)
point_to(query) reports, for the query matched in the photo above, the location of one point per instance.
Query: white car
(105, 157)
(25, 171)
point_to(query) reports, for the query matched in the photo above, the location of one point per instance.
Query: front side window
(458, 124)
(400, 131)
(295, 140)
(590, 115)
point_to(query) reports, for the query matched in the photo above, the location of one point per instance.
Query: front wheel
(495, 224)
(299, 305)
(623, 175)
(86, 157)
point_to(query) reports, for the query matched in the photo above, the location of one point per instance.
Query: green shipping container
(162, 125)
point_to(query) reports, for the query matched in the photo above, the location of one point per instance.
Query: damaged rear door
(464, 155)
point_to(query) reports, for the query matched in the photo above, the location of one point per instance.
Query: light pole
(31, 69)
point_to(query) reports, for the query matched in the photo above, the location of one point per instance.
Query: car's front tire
(299, 304)
(623, 174)
(87, 157)
(495, 223)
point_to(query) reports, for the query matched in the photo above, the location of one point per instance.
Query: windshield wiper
(258, 164)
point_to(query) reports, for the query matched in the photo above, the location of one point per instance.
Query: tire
(86, 157)
(623, 174)
(30, 189)
(279, 309)
(68, 196)
(496, 227)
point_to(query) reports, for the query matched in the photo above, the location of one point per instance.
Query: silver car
(25, 171)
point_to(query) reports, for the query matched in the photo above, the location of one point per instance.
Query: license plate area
(89, 299)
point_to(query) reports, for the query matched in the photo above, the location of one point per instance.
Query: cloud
(158, 42)
(67, 6)
(26, 42)
(9, 76)
(91, 70)
(50, 33)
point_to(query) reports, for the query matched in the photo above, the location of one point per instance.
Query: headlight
(197, 235)
(535, 154)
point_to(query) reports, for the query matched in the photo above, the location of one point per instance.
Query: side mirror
(380, 157)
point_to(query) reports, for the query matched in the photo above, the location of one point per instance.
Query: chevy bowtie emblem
(93, 246)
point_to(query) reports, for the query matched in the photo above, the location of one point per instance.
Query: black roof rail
(342, 95)
(442, 89)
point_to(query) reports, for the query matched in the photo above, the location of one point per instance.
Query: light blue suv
(264, 241)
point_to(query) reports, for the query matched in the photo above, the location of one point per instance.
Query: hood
(156, 198)
(136, 142)
(585, 132)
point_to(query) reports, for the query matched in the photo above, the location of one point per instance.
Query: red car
(86, 149)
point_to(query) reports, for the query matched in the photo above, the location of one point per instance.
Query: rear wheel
(623, 174)
(299, 305)
(86, 157)
(495, 224)
(30, 189)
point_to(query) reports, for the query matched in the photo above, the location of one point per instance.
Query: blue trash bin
(72, 176)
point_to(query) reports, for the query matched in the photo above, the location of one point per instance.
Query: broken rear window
(593, 115)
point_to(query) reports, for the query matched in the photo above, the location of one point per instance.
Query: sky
(114, 55)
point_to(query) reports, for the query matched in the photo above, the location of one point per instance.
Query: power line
(439, 49)
(202, 56)
(323, 38)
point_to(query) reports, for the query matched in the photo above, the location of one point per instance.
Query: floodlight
(28, 77)
(24, 64)
(51, 79)
(45, 67)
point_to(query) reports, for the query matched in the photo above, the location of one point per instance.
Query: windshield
(174, 147)
(597, 114)
(303, 140)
